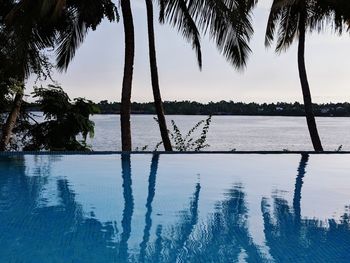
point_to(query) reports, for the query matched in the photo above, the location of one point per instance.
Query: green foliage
(188, 142)
(141, 149)
(64, 121)
(30, 31)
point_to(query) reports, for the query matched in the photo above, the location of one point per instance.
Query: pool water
(174, 208)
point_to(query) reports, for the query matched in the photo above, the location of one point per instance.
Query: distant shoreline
(223, 108)
(221, 115)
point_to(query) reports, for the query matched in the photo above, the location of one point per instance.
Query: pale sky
(96, 72)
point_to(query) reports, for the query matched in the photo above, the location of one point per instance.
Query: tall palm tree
(292, 18)
(158, 103)
(128, 74)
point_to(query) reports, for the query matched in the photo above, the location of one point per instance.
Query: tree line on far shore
(224, 108)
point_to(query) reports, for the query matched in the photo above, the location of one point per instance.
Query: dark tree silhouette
(32, 29)
(158, 103)
(125, 109)
(291, 19)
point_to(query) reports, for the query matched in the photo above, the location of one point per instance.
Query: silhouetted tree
(32, 29)
(64, 121)
(158, 103)
(125, 108)
(291, 19)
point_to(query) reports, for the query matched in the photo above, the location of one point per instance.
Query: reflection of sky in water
(194, 208)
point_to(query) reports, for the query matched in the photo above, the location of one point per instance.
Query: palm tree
(292, 18)
(158, 103)
(128, 75)
(24, 45)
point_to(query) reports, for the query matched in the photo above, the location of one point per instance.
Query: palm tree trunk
(128, 75)
(11, 121)
(310, 118)
(158, 103)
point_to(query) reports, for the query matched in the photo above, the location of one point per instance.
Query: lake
(243, 133)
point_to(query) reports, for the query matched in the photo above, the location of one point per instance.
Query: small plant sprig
(188, 142)
(339, 149)
(141, 149)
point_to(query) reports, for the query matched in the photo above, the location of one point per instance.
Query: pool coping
(168, 153)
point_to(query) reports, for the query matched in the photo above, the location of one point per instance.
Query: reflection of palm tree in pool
(18, 191)
(150, 197)
(168, 247)
(220, 239)
(128, 211)
(291, 238)
(225, 237)
(182, 232)
(33, 229)
(65, 233)
(298, 185)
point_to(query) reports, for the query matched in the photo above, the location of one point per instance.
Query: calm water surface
(175, 208)
(229, 132)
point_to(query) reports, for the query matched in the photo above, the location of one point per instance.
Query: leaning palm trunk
(128, 75)
(310, 118)
(11, 121)
(158, 103)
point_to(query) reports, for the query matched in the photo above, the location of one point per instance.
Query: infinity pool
(174, 208)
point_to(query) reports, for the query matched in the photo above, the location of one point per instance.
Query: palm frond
(69, 41)
(176, 13)
(283, 23)
(288, 30)
(228, 23)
